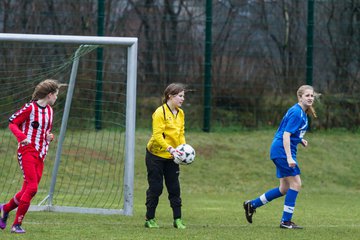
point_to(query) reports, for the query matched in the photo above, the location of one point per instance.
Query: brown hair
(172, 89)
(301, 91)
(45, 87)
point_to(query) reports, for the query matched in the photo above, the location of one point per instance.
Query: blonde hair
(45, 87)
(172, 89)
(301, 91)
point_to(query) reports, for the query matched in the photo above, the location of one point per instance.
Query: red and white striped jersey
(34, 123)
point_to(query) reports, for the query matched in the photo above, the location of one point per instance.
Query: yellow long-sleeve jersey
(167, 130)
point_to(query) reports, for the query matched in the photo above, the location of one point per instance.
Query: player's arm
(49, 135)
(20, 136)
(291, 127)
(286, 143)
(16, 120)
(158, 127)
(182, 129)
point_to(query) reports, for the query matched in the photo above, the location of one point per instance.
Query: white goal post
(129, 151)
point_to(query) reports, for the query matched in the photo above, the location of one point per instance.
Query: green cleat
(151, 223)
(178, 223)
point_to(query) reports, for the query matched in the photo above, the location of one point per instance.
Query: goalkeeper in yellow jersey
(162, 158)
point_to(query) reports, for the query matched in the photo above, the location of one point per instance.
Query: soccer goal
(90, 165)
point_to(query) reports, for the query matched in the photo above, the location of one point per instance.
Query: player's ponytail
(45, 87)
(311, 111)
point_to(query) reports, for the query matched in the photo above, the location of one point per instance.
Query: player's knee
(283, 189)
(156, 189)
(32, 190)
(296, 185)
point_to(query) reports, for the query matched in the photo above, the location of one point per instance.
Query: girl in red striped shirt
(31, 126)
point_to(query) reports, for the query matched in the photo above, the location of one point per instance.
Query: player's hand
(304, 142)
(24, 142)
(177, 155)
(178, 160)
(49, 137)
(291, 162)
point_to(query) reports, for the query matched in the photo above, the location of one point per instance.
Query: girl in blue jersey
(283, 153)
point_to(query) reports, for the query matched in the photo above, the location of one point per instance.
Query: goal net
(90, 164)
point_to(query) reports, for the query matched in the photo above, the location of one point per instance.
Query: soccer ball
(189, 153)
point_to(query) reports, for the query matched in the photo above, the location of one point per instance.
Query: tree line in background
(258, 52)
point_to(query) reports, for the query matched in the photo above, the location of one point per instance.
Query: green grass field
(230, 168)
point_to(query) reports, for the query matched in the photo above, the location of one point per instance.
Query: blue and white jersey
(295, 122)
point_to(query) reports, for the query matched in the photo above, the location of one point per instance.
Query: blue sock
(289, 205)
(266, 197)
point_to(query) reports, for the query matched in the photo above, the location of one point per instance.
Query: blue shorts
(283, 169)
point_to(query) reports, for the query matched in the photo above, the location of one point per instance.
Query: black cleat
(289, 225)
(249, 211)
(3, 217)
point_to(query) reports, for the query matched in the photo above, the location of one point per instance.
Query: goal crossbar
(132, 47)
